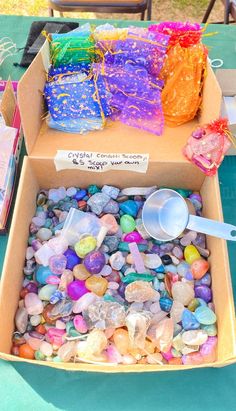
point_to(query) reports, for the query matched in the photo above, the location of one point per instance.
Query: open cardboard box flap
(43, 142)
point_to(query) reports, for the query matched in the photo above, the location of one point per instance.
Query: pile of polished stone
(98, 289)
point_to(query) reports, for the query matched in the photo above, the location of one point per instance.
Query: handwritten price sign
(100, 162)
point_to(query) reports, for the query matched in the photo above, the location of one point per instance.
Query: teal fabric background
(34, 388)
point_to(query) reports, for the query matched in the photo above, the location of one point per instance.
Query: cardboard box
(167, 167)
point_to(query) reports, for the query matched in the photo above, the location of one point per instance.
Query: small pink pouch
(207, 146)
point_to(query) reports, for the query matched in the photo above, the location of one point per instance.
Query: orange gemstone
(23, 292)
(121, 340)
(46, 314)
(175, 361)
(199, 268)
(25, 351)
(40, 329)
(168, 283)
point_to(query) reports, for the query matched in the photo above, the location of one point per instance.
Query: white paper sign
(100, 162)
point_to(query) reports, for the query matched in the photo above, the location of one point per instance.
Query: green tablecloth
(33, 388)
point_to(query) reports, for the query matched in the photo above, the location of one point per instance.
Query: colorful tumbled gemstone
(85, 245)
(205, 315)
(94, 262)
(97, 285)
(189, 321)
(199, 268)
(76, 289)
(127, 223)
(191, 254)
(165, 304)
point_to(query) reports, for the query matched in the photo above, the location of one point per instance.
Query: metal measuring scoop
(165, 216)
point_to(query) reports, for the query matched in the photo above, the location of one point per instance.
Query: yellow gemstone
(98, 285)
(191, 254)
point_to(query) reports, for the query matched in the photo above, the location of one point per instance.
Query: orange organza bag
(183, 72)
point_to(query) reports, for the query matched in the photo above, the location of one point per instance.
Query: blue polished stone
(72, 259)
(165, 304)
(42, 273)
(160, 269)
(189, 321)
(129, 207)
(80, 195)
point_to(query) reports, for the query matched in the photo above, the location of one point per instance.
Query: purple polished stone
(36, 245)
(50, 214)
(32, 287)
(204, 292)
(55, 221)
(205, 280)
(167, 247)
(94, 262)
(121, 289)
(72, 259)
(76, 289)
(155, 249)
(195, 196)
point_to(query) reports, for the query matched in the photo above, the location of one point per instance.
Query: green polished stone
(93, 189)
(38, 355)
(136, 277)
(127, 223)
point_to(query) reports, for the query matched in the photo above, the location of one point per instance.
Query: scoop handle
(212, 227)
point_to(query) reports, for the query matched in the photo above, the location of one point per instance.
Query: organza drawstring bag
(183, 71)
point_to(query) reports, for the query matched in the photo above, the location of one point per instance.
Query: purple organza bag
(135, 95)
(145, 49)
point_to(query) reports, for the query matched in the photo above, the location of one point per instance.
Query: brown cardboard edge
(136, 368)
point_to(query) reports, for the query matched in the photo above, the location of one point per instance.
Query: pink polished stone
(80, 324)
(208, 349)
(53, 279)
(167, 355)
(194, 358)
(34, 343)
(137, 258)
(33, 304)
(76, 289)
(109, 221)
(55, 336)
(57, 264)
(113, 354)
(133, 237)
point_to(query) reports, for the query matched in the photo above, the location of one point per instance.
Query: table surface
(40, 388)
